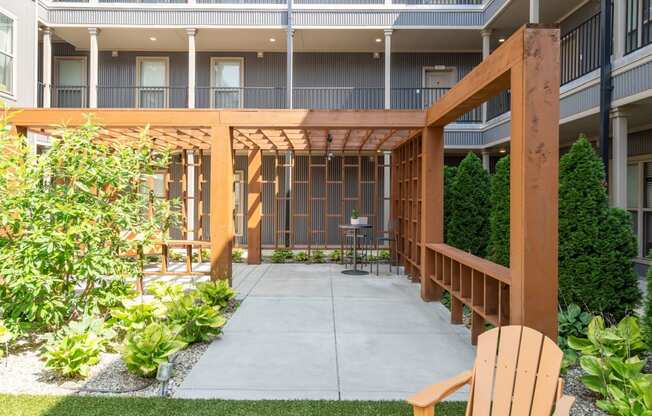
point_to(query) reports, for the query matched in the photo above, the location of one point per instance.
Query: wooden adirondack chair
(516, 373)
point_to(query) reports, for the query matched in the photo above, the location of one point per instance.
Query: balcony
(360, 2)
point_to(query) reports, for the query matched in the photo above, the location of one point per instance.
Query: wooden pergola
(527, 63)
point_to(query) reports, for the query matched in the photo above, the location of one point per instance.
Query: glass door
(69, 90)
(226, 83)
(153, 83)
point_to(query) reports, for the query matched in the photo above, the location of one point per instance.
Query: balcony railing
(109, 96)
(328, 98)
(580, 50)
(638, 24)
(64, 96)
(498, 105)
(246, 97)
(362, 2)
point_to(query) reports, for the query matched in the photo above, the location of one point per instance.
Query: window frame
(211, 81)
(14, 55)
(166, 87)
(239, 179)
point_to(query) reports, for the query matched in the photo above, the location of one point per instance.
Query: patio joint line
(337, 360)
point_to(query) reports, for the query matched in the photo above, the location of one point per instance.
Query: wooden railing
(478, 283)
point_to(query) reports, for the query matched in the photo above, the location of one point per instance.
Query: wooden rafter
(384, 139)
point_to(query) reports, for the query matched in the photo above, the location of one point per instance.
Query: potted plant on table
(356, 219)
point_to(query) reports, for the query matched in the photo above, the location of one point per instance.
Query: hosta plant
(301, 257)
(572, 322)
(144, 350)
(197, 321)
(73, 350)
(237, 255)
(216, 293)
(136, 315)
(317, 256)
(165, 291)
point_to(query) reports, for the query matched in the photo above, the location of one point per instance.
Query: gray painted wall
(24, 13)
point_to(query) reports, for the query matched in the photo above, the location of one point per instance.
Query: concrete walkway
(310, 332)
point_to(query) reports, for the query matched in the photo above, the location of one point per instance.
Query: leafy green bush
(65, 217)
(596, 243)
(336, 256)
(647, 317)
(301, 257)
(281, 255)
(143, 350)
(449, 176)
(384, 255)
(197, 322)
(613, 369)
(468, 228)
(175, 256)
(135, 315)
(5, 337)
(572, 322)
(216, 293)
(74, 349)
(237, 255)
(317, 256)
(498, 250)
(165, 291)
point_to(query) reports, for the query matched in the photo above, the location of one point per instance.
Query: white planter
(355, 221)
(359, 221)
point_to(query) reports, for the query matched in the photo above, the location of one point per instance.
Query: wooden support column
(534, 182)
(221, 202)
(432, 206)
(254, 209)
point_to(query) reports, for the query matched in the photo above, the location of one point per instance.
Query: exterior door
(226, 83)
(69, 89)
(436, 82)
(153, 83)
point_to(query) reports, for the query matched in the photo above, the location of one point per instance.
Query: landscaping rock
(584, 399)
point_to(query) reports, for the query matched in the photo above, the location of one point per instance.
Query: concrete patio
(310, 332)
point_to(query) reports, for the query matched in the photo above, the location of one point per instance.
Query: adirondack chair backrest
(516, 373)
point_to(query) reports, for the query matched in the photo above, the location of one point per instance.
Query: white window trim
(215, 59)
(424, 97)
(12, 95)
(55, 77)
(139, 61)
(239, 217)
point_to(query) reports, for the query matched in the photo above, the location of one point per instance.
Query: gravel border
(23, 372)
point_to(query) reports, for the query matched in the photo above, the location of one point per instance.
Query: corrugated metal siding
(581, 101)
(386, 18)
(639, 143)
(167, 17)
(491, 9)
(498, 132)
(633, 81)
(463, 138)
(407, 68)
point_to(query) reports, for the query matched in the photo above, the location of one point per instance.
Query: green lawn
(25, 405)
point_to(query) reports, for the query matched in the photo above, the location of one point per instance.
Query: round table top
(354, 226)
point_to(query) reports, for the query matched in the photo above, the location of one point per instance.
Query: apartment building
(331, 54)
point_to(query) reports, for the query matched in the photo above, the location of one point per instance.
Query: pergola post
(221, 202)
(254, 208)
(432, 205)
(534, 182)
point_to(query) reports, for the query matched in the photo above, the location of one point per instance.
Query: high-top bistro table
(355, 227)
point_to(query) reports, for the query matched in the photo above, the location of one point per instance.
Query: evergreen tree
(647, 318)
(498, 251)
(596, 244)
(468, 228)
(449, 175)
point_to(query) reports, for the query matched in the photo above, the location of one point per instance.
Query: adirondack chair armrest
(435, 393)
(563, 405)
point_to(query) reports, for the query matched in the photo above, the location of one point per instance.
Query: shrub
(65, 218)
(468, 228)
(176, 256)
(613, 369)
(143, 350)
(384, 255)
(165, 291)
(197, 322)
(301, 257)
(73, 350)
(449, 176)
(237, 255)
(647, 317)
(318, 256)
(596, 243)
(498, 251)
(572, 322)
(216, 293)
(336, 256)
(5, 337)
(281, 255)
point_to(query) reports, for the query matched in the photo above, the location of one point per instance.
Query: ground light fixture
(164, 374)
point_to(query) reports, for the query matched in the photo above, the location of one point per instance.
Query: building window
(6, 54)
(153, 82)
(639, 203)
(226, 82)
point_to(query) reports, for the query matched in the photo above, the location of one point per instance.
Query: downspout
(606, 85)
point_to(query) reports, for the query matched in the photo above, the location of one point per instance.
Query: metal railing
(498, 105)
(580, 50)
(411, 2)
(64, 96)
(110, 96)
(638, 24)
(443, 2)
(245, 97)
(423, 98)
(340, 98)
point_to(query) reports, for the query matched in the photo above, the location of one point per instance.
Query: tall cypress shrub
(449, 175)
(647, 317)
(468, 228)
(499, 219)
(596, 244)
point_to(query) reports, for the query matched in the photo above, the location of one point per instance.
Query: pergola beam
(221, 203)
